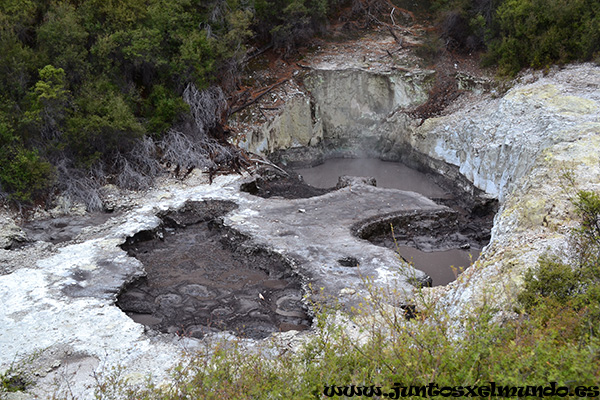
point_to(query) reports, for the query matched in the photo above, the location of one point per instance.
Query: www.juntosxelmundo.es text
(491, 390)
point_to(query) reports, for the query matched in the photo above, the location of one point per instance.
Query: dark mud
(269, 182)
(425, 231)
(203, 278)
(63, 229)
(440, 244)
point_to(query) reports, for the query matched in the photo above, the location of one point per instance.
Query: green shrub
(11, 381)
(23, 174)
(587, 243)
(162, 109)
(413, 353)
(570, 288)
(538, 33)
(522, 33)
(102, 125)
(551, 281)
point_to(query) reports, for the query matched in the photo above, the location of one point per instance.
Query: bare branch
(206, 106)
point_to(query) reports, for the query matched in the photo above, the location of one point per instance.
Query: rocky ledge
(518, 147)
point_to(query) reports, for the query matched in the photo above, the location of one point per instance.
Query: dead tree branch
(268, 90)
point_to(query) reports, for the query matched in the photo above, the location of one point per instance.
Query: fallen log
(254, 100)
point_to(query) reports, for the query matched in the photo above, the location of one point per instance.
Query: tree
(62, 39)
(102, 125)
(48, 107)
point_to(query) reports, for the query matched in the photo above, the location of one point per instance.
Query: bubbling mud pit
(441, 245)
(202, 278)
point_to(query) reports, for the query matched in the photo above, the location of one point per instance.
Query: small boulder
(10, 233)
(346, 180)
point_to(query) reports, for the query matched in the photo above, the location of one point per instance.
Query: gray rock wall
(341, 110)
(518, 148)
(353, 103)
(495, 142)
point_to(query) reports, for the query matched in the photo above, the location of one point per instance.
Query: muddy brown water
(388, 174)
(202, 278)
(443, 264)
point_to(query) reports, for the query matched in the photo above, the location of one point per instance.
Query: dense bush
(23, 173)
(83, 81)
(523, 33)
(539, 33)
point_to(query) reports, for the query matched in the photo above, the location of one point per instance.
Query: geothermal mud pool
(204, 275)
(202, 278)
(393, 175)
(441, 246)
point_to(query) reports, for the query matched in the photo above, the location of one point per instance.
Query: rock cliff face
(351, 104)
(518, 148)
(494, 142)
(341, 112)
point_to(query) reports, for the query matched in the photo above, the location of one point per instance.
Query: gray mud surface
(441, 243)
(63, 229)
(388, 174)
(204, 278)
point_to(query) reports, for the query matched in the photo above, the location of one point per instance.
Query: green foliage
(553, 285)
(62, 40)
(112, 14)
(82, 81)
(551, 281)
(17, 66)
(587, 206)
(48, 103)
(414, 352)
(102, 124)
(10, 381)
(163, 107)
(523, 33)
(537, 33)
(23, 173)
(195, 60)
